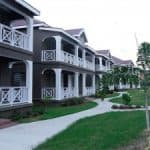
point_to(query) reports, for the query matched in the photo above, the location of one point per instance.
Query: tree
(143, 60)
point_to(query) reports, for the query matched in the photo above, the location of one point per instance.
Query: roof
(104, 52)
(28, 6)
(74, 31)
(118, 61)
(21, 23)
(77, 33)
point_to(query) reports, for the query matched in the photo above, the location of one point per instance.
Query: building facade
(16, 52)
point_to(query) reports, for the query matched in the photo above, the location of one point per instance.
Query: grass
(101, 132)
(112, 95)
(53, 112)
(137, 97)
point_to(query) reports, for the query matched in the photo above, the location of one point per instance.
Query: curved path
(28, 135)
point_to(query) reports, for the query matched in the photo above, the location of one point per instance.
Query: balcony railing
(13, 95)
(68, 92)
(89, 65)
(68, 58)
(89, 91)
(50, 55)
(48, 92)
(13, 37)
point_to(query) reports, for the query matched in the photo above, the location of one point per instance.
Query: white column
(58, 83)
(93, 83)
(29, 21)
(93, 61)
(100, 63)
(58, 48)
(29, 72)
(76, 55)
(84, 58)
(76, 84)
(69, 81)
(84, 84)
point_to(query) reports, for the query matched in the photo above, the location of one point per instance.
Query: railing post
(76, 55)
(84, 58)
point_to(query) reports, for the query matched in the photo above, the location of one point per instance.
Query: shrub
(73, 101)
(16, 116)
(126, 99)
(101, 94)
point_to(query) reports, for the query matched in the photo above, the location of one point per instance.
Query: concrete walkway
(26, 136)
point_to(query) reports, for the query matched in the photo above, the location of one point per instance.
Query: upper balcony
(13, 37)
(57, 49)
(102, 64)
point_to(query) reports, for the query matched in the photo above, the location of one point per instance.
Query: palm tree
(143, 60)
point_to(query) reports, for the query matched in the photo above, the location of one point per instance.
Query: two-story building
(117, 62)
(103, 64)
(16, 52)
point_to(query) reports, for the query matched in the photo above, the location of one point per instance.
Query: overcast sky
(109, 24)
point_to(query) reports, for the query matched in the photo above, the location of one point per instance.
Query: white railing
(13, 95)
(80, 62)
(48, 55)
(13, 37)
(97, 67)
(68, 92)
(68, 58)
(89, 91)
(48, 92)
(103, 68)
(89, 65)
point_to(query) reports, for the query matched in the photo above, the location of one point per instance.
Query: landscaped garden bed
(45, 111)
(102, 132)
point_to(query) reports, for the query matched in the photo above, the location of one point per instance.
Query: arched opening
(49, 44)
(48, 84)
(88, 80)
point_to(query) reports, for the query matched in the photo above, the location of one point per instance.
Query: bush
(73, 101)
(126, 99)
(101, 94)
(16, 116)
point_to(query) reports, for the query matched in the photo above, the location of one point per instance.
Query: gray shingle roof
(118, 61)
(74, 31)
(22, 22)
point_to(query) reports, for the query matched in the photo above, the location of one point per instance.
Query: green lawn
(112, 95)
(102, 132)
(137, 97)
(58, 111)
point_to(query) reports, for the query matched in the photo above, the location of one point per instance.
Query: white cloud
(109, 24)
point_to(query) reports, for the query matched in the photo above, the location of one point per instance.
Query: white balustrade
(13, 95)
(80, 62)
(68, 58)
(48, 55)
(89, 91)
(89, 65)
(13, 37)
(68, 92)
(48, 92)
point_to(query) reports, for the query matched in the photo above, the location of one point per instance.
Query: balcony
(13, 95)
(101, 68)
(50, 55)
(13, 37)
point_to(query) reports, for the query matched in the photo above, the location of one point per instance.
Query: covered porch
(15, 82)
(59, 84)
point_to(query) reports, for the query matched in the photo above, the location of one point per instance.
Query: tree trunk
(147, 112)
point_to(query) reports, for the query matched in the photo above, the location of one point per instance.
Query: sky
(108, 24)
